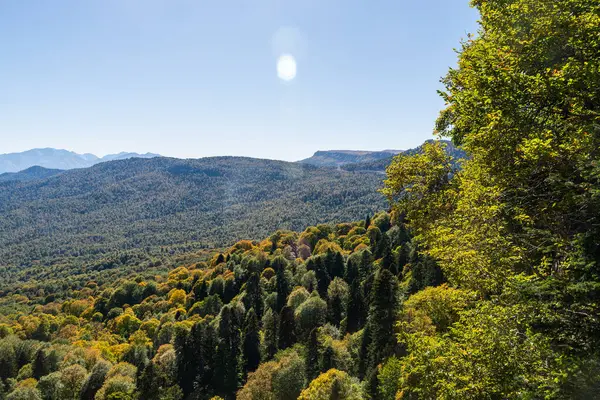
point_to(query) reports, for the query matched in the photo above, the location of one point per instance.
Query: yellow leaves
(179, 274)
(242, 246)
(325, 246)
(177, 297)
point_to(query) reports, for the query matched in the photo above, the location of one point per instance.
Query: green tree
(251, 346)
(287, 328)
(8, 360)
(95, 379)
(228, 353)
(337, 299)
(271, 329)
(383, 316)
(72, 379)
(282, 282)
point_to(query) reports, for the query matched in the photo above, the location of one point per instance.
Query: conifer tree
(383, 316)
(312, 358)
(251, 342)
(226, 368)
(253, 298)
(270, 327)
(355, 308)
(323, 277)
(282, 283)
(287, 328)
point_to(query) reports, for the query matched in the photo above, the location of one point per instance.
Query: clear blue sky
(194, 78)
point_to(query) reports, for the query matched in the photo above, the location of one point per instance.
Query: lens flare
(286, 67)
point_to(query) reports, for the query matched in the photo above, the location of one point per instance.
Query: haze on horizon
(266, 78)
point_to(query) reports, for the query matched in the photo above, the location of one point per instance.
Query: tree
(95, 379)
(287, 328)
(251, 342)
(383, 316)
(312, 358)
(24, 393)
(289, 377)
(51, 386)
(8, 360)
(310, 315)
(253, 297)
(356, 307)
(226, 369)
(72, 379)
(282, 282)
(186, 366)
(271, 329)
(322, 275)
(337, 298)
(40, 366)
(332, 383)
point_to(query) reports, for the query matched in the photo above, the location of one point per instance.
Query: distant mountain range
(58, 159)
(337, 158)
(352, 160)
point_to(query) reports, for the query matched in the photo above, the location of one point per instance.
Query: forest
(480, 280)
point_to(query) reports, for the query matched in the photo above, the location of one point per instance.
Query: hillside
(336, 158)
(58, 159)
(136, 203)
(29, 174)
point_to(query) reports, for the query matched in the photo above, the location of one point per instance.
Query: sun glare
(286, 67)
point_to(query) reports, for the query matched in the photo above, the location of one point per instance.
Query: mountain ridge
(52, 158)
(338, 158)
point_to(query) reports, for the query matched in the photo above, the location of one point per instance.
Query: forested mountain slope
(137, 203)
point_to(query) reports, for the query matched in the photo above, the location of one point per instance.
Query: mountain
(29, 174)
(381, 164)
(124, 156)
(58, 159)
(336, 158)
(139, 203)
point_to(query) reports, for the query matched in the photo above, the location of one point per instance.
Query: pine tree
(287, 328)
(367, 222)
(282, 284)
(200, 290)
(327, 361)
(270, 327)
(323, 278)
(383, 316)
(40, 367)
(355, 308)
(253, 298)
(337, 269)
(363, 359)
(148, 384)
(251, 342)
(312, 358)
(185, 363)
(226, 368)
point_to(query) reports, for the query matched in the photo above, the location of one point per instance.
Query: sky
(196, 78)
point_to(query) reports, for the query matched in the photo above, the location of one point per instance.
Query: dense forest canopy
(482, 282)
